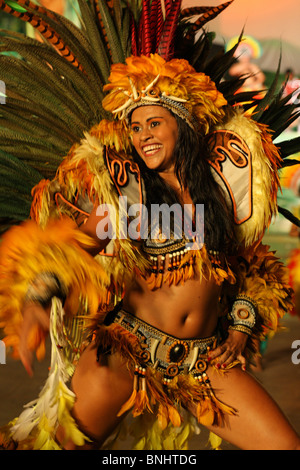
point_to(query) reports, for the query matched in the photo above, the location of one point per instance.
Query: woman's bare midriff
(188, 310)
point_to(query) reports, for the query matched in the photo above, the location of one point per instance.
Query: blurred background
(273, 23)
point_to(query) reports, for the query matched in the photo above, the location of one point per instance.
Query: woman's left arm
(263, 295)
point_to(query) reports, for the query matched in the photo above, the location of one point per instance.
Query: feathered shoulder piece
(245, 163)
(82, 179)
(96, 172)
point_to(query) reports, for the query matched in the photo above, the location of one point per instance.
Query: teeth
(150, 148)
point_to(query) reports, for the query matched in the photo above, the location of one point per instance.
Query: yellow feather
(174, 416)
(215, 441)
(162, 416)
(205, 413)
(182, 437)
(129, 403)
(168, 443)
(140, 445)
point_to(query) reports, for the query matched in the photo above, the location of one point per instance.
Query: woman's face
(155, 133)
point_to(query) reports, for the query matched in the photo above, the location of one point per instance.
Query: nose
(145, 134)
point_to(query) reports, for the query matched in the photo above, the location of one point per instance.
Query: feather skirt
(151, 395)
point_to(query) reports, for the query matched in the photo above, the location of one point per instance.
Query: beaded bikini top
(174, 256)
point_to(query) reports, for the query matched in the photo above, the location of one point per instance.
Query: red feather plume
(146, 30)
(158, 23)
(166, 44)
(134, 39)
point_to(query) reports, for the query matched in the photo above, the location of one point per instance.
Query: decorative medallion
(177, 352)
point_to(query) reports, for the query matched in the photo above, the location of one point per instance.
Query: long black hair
(193, 172)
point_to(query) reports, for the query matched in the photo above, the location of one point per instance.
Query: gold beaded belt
(167, 354)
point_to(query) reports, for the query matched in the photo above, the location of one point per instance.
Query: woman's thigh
(101, 388)
(259, 423)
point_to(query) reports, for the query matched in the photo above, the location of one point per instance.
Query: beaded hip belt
(167, 354)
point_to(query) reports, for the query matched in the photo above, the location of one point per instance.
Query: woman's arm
(91, 227)
(37, 264)
(261, 297)
(36, 306)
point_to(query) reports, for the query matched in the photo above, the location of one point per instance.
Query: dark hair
(194, 173)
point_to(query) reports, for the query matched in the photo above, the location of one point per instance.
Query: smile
(151, 149)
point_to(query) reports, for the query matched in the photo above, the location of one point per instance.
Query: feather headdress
(173, 84)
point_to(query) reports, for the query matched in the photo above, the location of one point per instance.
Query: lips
(151, 149)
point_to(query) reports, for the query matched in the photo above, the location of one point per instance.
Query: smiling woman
(154, 136)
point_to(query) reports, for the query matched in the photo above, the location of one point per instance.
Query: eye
(154, 123)
(135, 128)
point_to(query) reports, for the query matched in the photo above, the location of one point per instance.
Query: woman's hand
(33, 315)
(230, 350)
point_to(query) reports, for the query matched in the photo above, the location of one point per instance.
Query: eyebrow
(149, 119)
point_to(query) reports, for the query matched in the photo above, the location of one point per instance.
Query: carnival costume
(65, 140)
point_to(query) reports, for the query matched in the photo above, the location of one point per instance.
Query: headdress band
(148, 97)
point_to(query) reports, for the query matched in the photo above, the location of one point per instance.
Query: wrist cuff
(243, 315)
(45, 286)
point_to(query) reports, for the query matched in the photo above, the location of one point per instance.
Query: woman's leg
(259, 423)
(101, 388)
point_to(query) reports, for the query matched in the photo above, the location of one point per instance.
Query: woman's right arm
(89, 227)
(36, 313)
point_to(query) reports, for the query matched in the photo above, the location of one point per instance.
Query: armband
(45, 286)
(243, 315)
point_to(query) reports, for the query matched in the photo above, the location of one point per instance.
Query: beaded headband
(149, 96)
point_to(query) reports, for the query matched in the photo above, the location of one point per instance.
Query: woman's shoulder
(244, 162)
